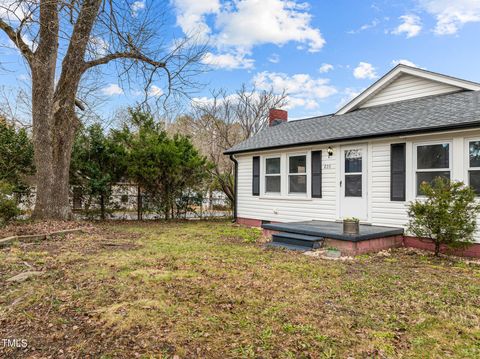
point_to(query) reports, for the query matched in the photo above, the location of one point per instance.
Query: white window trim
(415, 169)
(307, 173)
(468, 168)
(284, 173)
(263, 186)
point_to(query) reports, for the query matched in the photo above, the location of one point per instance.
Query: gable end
(405, 83)
(408, 87)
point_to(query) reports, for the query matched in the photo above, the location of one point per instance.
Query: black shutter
(256, 176)
(316, 174)
(397, 172)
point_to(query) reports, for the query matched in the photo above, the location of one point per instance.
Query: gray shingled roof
(457, 110)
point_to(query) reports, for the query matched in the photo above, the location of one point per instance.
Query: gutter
(235, 186)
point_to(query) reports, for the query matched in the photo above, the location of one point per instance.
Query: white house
(367, 159)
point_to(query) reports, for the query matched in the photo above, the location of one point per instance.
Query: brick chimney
(276, 117)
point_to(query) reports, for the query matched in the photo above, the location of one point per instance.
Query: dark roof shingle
(427, 114)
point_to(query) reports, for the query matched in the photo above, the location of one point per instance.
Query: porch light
(330, 151)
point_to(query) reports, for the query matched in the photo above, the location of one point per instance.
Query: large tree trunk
(42, 139)
(43, 88)
(52, 159)
(54, 119)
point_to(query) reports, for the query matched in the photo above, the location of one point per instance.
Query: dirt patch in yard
(209, 289)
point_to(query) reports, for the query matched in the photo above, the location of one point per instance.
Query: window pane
(353, 161)
(429, 177)
(272, 165)
(272, 184)
(353, 185)
(474, 181)
(433, 156)
(298, 184)
(298, 164)
(474, 152)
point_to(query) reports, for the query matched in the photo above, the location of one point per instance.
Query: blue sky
(322, 52)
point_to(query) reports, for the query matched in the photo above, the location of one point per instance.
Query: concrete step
(288, 246)
(311, 242)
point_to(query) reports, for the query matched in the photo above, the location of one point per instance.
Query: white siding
(286, 209)
(407, 87)
(392, 213)
(381, 211)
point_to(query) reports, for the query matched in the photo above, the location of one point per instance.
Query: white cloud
(98, 46)
(191, 15)
(24, 77)
(348, 95)
(364, 27)
(13, 10)
(325, 68)
(274, 58)
(253, 22)
(247, 23)
(112, 90)
(229, 61)
(202, 101)
(155, 91)
(411, 26)
(364, 70)
(137, 6)
(403, 62)
(302, 89)
(451, 15)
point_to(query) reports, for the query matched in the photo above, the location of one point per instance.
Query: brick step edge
(37, 237)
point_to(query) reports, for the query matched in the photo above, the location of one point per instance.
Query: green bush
(447, 215)
(8, 204)
(16, 154)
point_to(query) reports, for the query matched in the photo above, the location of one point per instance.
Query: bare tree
(225, 120)
(63, 40)
(14, 106)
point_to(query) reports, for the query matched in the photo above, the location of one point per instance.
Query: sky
(321, 52)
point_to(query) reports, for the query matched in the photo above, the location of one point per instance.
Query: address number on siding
(327, 166)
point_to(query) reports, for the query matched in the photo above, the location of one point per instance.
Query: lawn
(210, 289)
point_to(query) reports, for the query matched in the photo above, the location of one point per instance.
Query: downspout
(235, 185)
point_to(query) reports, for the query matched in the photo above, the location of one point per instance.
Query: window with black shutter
(256, 176)
(397, 172)
(317, 174)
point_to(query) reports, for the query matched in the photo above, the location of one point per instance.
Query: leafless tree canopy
(225, 120)
(245, 110)
(61, 41)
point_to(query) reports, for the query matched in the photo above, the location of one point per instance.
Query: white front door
(353, 182)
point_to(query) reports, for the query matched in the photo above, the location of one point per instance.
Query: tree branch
(79, 104)
(124, 55)
(17, 40)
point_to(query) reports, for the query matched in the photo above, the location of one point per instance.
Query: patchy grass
(209, 289)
